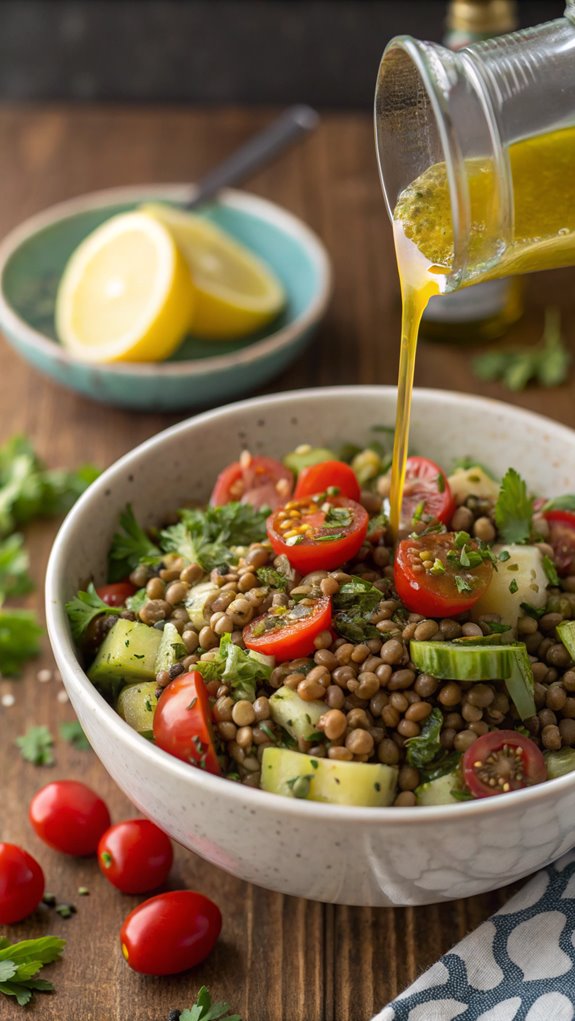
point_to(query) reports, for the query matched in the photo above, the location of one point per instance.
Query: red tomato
(183, 722)
(21, 884)
(427, 491)
(288, 634)
(317, 478)
(116, 594)
(432, 577)
(69, 817)
(171, 932)
(562, 539)
(261, 481)
(135, 856)
(318, 534)
(502, 761)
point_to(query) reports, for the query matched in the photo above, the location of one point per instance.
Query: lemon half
(126, 293)
(235, 292)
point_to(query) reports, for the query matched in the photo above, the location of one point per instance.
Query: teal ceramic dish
(200, 373)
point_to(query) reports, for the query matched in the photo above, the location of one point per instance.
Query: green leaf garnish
(424, 748)
(72, 733)
(204, 1010)
(130, 546)
(21, 962)
(14, 577)
(209, 537)
(84, 608)
(546, 363)
(550, 570)
(36, 746)
(19, 639)
(514, 509)
(236, 667)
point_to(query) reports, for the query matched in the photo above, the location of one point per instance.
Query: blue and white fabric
(517, 966)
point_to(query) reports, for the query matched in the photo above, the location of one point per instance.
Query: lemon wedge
(236, 293)
(126, 293)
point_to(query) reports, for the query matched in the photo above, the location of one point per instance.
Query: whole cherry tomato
(261, 481)
(21, 884)
(317, 478)
(170, 933)
(183, 722)
(502, 761)
(117, 593)
(135, 856)
(318, 533)
(69, 817)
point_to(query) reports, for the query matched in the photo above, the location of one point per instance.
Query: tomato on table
(69, 816)
(21, 884)
(116, 593)
(289, 633)
(318, 478)
(318, 533)
(170, 933)
(183, 722)
(441, 574)
(135, 856)
(562, 539)
(426, 492)
(260, 481)
(502, 761)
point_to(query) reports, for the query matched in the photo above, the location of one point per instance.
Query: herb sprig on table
(20, 963)
(546, 363)
(204, 1010)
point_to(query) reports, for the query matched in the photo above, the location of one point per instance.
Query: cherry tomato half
(183, 722)
(135, 856)
(261, 481)
(562, 539)
(441, 574)
(170, 933)
(69, 817)
(21, 884)
(289, 633)
(317, 478)
(426, 492)
(502, 761)
(117, 593)
(318, 533)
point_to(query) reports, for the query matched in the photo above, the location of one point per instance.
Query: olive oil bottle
(484, 311)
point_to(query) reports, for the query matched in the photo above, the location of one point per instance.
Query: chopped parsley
(513, 586)
(275, 579)
(240, 669)
(550, 570)
(463, 584)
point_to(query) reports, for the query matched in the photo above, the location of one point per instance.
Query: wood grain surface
(279, 959)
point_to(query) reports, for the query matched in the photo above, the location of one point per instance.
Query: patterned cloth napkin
(517, 966)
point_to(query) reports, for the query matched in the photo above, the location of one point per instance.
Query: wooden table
(279, 958)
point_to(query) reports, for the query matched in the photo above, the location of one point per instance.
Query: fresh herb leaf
(84, 607)
(463, 584)
(209, 537)
(354, 626)
(21, 962)
(36, 746)
(130, 546)
(565, 502)
(338, 516)
(513, 586)
(72, 733)
(444, 762)
(135, 602)
(533, 611)
(423, 749)
(19, 639)
(235, 667)
(357, 594)
(495, 628)
(514, 509)
(269, 576)
(204, 1010)
(546, 363)
(550, 570)
(14, 577)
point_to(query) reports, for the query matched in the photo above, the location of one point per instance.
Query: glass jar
(433, 106)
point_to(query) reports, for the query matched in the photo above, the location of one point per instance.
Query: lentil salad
(285, 641)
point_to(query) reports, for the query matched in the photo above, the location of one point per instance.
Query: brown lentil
(359, 742)
(406, 799)
(333, 724)
(155, 610)
(310, 690)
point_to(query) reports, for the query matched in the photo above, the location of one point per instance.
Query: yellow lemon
(236, 293)
(126, 293)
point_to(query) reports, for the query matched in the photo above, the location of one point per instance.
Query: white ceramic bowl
(341, 854)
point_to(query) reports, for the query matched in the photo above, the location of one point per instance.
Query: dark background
(266, 52)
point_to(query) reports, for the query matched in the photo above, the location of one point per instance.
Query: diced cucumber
(473, 481)
(295, 775)
(299, 718)
(304, 456)
(525, 573)
(566, 633)
(170, 649)
(197, 600)
(440, 791)
(476, 662)
(127, 654)
(559, 763)
(137, 705)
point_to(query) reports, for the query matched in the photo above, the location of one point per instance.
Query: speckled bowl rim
(259, 800)
(244, 202)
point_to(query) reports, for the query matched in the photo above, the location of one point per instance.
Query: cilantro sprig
(546, 363)
(204, 1010)
(20, 963)
(19, 639)
(36, 746)
(514, 509)
(241, 670)
(130, 546)
(209, 537)
(84, 607)
(14, 563)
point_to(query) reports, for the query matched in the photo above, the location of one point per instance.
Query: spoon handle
(263, 147)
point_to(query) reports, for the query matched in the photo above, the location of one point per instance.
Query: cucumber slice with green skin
(171, 648)
(137, 705)
(440, 791)
(127, 654)
(566, 633)
(294, 775)
(459, 662)
(197, 600)
(299, 718)
(305, 456)
(559, 763)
